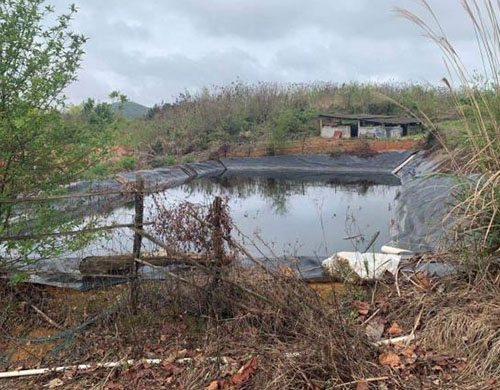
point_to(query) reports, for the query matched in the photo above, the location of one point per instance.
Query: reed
(476, 95)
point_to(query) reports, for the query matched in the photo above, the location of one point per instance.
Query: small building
(367, 126)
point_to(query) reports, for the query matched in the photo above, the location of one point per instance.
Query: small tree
(39, 149)
(36, 64)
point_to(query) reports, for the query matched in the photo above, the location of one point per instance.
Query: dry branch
(207, 270)
(123, 264)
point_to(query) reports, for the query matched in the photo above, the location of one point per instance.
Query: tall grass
(476, 96)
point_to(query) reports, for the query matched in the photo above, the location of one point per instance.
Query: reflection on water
(307, 216)
(298, 217)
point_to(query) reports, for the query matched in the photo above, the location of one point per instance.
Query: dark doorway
(405, 130)
(354, 130)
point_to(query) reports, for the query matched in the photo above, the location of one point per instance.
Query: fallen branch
(69, 233)
(67, 333)
(124, 263)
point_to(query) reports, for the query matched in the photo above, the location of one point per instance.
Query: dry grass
(300, 341)
(458, 317)
(477, 100)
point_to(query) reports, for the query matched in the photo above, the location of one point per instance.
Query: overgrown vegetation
(268, 113)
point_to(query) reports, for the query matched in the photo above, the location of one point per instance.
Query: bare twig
(47, 318)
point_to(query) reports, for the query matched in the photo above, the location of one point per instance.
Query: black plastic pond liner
(381, 163)
(420, 206)
(421, 221)
(65, 273)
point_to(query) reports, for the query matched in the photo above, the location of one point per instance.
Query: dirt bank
(320, 145)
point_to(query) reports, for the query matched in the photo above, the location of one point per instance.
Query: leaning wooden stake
(217, 240)
(138, 224)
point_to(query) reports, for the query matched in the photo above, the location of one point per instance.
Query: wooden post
(218, 241)
(218, 261)
(138, 223)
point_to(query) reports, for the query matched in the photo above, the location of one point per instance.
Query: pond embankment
(318, 145)
(418, 207)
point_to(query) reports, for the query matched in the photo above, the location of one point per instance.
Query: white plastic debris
(365, 266)
(395, 251)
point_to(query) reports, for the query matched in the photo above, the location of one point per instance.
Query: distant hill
(130, 110)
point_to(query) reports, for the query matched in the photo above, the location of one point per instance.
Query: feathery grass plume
(476, 94)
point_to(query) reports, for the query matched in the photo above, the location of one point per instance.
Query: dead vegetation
(282, 335)
(220, 325)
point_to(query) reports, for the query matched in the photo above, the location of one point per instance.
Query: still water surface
(280, 216)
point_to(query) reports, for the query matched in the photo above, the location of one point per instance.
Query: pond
(283, 215)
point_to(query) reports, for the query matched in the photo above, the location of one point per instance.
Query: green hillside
(130, 110)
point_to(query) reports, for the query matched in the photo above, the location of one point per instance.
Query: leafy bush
(127, 163)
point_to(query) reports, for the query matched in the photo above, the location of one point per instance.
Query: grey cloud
(164, 77)
(154, 49)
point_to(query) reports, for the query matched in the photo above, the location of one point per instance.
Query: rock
(374, 330)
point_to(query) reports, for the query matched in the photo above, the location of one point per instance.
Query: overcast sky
(152, 50)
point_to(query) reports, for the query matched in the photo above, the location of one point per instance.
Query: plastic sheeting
(381, 163)
(421, 220)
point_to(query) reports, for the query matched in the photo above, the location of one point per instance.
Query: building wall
(414, 129)
(329, 131)
(380, 131)
(394, 131)
(372, 132)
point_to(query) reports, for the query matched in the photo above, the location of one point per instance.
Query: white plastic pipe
(81, 367)
(85, 367)
(403, 164)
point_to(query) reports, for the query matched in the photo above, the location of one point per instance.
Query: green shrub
(163, 161)
(99, 170)
(127, 163)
